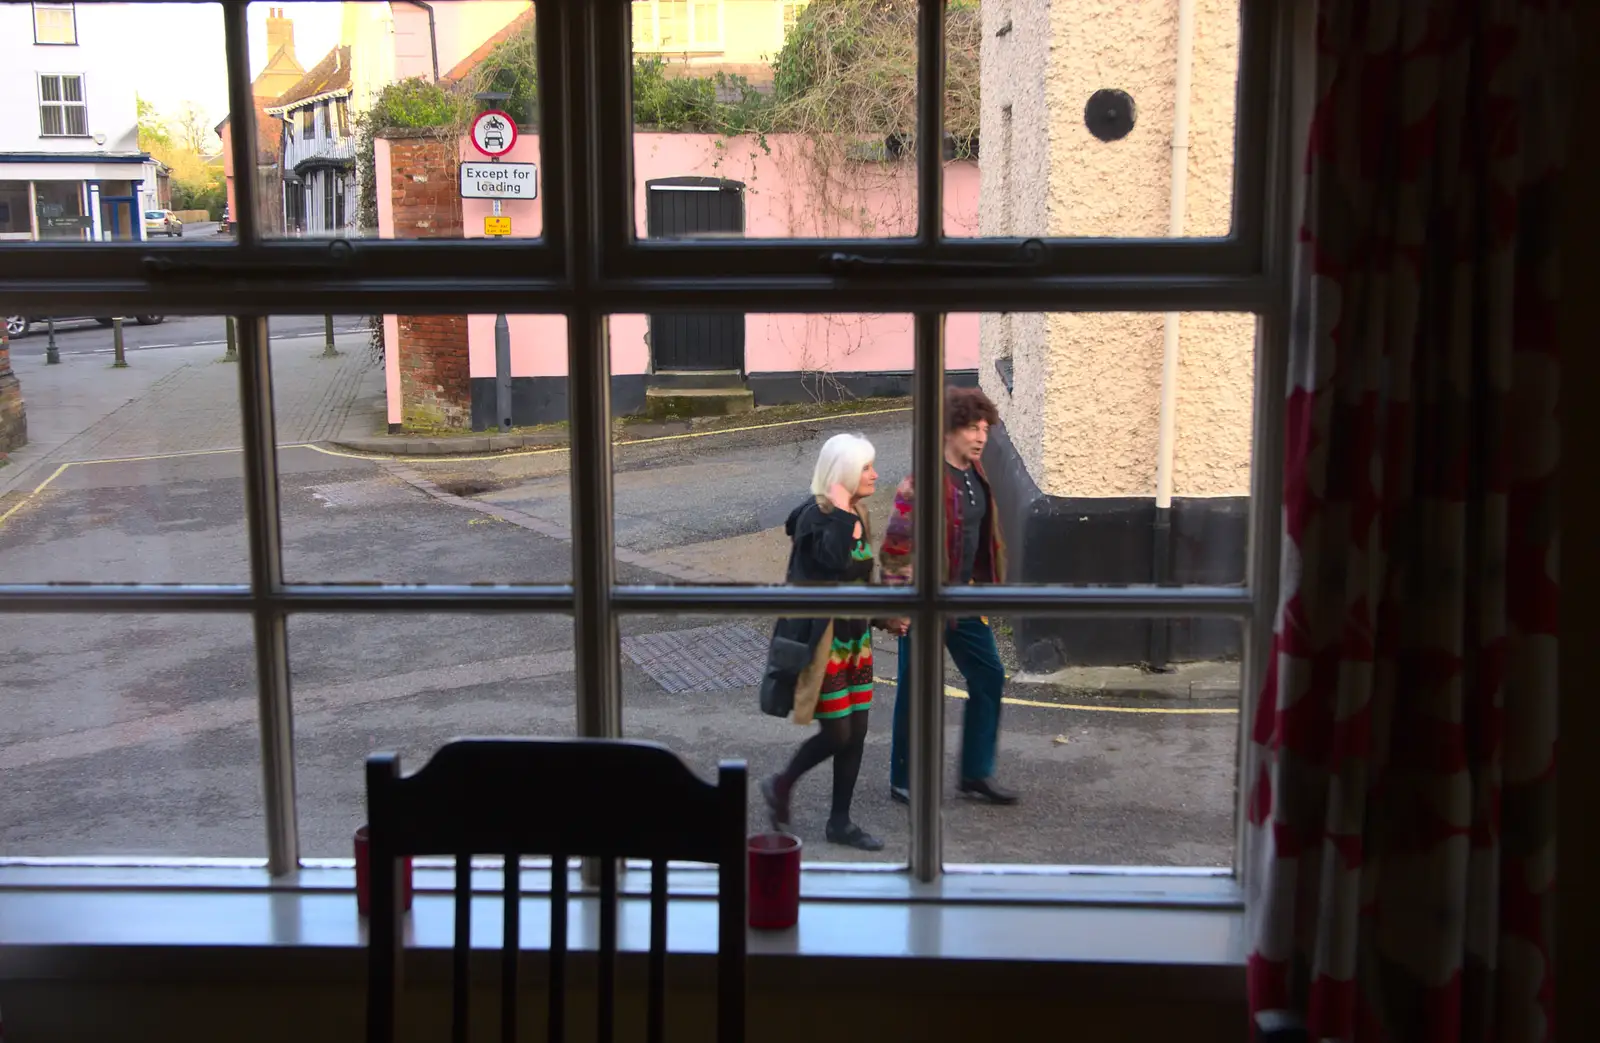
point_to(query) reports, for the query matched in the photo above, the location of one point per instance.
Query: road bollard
(120, 359)
(52, 354)
(328, 350)
(231, 353)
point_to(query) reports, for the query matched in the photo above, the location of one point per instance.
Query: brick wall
(435, 382)
(13, 420)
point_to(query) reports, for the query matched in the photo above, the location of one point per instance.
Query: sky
(198, 70)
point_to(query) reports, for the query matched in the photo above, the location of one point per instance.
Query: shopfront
(53, 198)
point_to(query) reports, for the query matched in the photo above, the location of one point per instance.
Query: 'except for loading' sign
(499, 180)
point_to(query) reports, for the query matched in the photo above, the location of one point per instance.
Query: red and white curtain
(1401, 830)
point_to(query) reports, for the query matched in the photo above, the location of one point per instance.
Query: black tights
(842, 738)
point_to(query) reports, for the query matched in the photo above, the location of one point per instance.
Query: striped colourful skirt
(847, 684)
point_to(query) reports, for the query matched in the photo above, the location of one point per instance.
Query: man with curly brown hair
(974, 553)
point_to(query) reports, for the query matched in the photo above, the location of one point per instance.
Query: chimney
(280, 32)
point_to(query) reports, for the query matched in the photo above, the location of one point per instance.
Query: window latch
(1030, 254)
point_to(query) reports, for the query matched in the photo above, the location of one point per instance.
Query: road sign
(480, 180)
(496, 225)
(494, 132)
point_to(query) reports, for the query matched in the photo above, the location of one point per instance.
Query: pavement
(136, 735)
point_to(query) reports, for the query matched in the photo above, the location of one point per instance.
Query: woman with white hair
(821, 669)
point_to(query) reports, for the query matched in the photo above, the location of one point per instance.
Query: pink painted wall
(780, 202)
(383, 170)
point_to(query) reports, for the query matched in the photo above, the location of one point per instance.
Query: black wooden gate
(687, 208)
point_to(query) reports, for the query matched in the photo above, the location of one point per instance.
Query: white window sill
(1182, 936)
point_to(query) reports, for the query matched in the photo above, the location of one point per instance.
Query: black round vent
(1109, 114)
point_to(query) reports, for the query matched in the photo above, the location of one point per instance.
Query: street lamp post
(52, 354)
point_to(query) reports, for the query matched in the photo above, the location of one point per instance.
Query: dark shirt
(974, 505)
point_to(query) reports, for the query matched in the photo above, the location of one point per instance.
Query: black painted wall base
(1109, 540)
(543, 400)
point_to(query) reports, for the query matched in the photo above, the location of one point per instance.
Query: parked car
(22, 325)
(162, 222)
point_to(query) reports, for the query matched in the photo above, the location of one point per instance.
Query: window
(308, 123)
(788, 12)
(677, 25)
(342, 111)
(580, 561)
(62, 110)
(55, 24)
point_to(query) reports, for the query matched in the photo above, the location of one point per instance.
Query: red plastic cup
(364, 876)
(774, 881)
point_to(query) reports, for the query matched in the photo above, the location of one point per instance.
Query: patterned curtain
(1401, 834)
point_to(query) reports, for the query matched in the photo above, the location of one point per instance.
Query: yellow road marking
(956, 693)
(29, 497)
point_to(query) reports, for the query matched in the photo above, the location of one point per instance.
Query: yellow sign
(497, 226)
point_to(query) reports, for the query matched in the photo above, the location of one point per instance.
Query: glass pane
(774, 120)
(1071, 120)
(693, 682)
(114, 137)
(129, 736)
(394, 465)
(376, 104)
(722, 420)
(1087, 488)
(1124, 757)
(119, 474)
(408, 684)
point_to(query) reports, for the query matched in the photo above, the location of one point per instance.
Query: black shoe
(777, 803)
(852, 835)
(988, 790)
(900, 795)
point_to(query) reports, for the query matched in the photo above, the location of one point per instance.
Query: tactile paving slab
(701, 659)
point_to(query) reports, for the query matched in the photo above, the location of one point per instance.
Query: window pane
(1064, 119)
(53, 23)
(1114, 760)
(722, 419)
(144, 140)
(393, 466)
(786, 127)
(408, 684)
(398, 86)
(120, 475)
(692, 683)
(129, 735)
(1078, 465)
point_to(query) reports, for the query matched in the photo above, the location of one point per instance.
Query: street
(137, 736)
(87, 337)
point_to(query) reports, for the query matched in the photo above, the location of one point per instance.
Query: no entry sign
(494, 132)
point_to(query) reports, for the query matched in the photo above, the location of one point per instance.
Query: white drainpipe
(1166, 446)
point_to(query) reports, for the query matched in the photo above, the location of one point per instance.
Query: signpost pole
(502, 371)
(119, 360)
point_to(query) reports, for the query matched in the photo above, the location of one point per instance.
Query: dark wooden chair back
(563, 798)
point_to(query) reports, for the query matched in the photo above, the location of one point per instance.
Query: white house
(319, 148)
(70, 164)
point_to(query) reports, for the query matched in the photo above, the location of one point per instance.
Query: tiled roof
(520, 24)
(332, 73)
